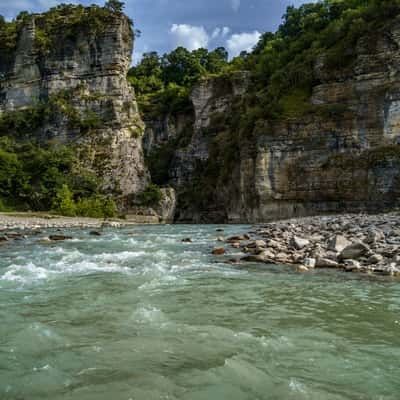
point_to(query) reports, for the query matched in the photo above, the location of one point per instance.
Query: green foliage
(3, 207)
(163, 83)
(63, 202)
(66, 22)
(96, 207)
(22, 122)
(8, 35)
(115, 5)
(43, 177)
(152, 195)
(282, 64)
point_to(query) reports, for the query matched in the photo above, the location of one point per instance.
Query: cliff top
(62, 23)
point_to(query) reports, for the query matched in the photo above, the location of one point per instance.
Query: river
(137, 314)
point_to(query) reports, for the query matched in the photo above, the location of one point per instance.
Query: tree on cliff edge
(115, 5)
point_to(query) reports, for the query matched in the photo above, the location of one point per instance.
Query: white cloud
(216, 33)
(242, 41)
(220, 32)
(225, 31)
(189, 36)
(235, 5)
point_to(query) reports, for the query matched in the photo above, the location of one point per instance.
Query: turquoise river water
(136, 314)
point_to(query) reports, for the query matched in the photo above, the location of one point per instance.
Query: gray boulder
(299, 243)
(326, 263)
(310, 262)
(375, 259)
(354, 251)
(338, 243)
(352, 265)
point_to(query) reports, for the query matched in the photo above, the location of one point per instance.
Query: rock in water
(60, 237)
(218, 251)
(301, 268)
(326, 263)
(310, 262)
(352, 265)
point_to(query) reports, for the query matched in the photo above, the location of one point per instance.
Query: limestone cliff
(72, 68)
(343, 155)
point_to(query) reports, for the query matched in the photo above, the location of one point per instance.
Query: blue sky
(166, 24)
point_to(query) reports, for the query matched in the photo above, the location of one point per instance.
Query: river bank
(354, 243)
(33, 221)
(351, 242)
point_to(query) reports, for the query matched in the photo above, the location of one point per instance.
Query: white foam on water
(149, 315)
(24, 273)
(297, 386)
(86, 266)
(122, 256)
(44, 368)
(70, 264)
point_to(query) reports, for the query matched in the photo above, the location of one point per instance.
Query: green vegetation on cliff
(282, 64)
(65, 22)
(40, 177)
(315, 43)
(163, 83)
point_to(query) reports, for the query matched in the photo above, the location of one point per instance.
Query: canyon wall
(76, 77)
(342, 156)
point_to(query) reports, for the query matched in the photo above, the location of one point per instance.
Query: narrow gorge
(333, 148)
(342, 154)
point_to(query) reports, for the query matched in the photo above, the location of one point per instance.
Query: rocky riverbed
(354, 243)
(32, 222)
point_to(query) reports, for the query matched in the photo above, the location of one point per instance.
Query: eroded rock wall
(343, 157)
(84, 77)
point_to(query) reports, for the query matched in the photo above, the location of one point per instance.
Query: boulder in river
(95, 233)
(236, 238)
(326, 263)
(60, 237)
(309, 262)
(218, 251)
(352, 265)
(301, 268)
(187, 240)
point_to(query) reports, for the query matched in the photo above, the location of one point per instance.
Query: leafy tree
(151, 195)
(63, 203)
(115, 5)
(181, 67)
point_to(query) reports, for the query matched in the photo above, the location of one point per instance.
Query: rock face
(81, 78)
(343, 156)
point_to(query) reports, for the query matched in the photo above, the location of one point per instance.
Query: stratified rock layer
(345, 156)
(83, 75)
